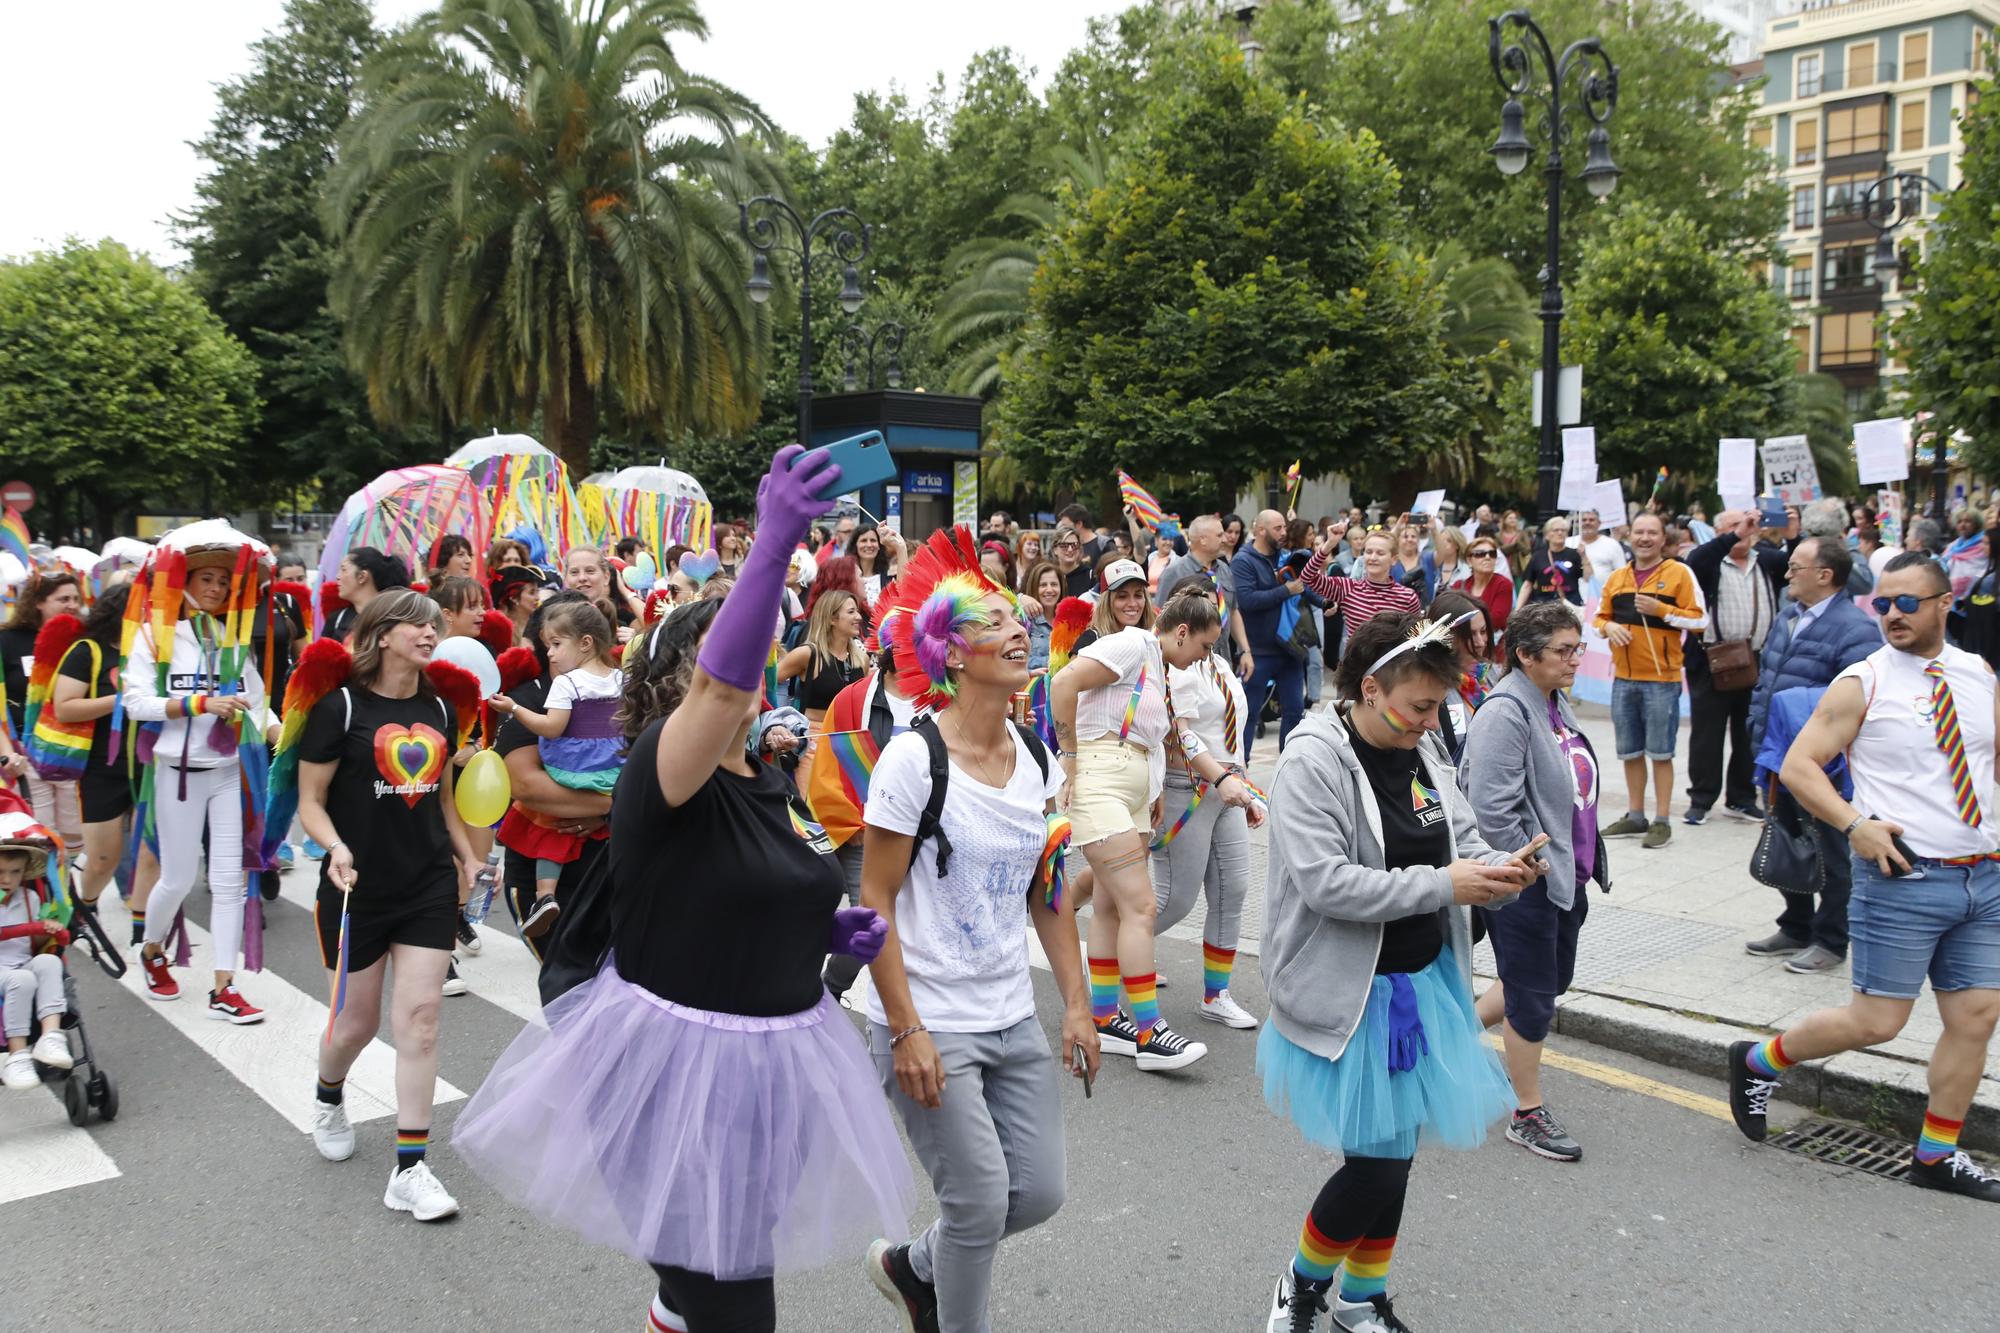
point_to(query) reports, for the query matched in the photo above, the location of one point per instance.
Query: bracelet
(1854, 824)
(911, 1031)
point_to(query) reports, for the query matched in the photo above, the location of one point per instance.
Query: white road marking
(40, 1151)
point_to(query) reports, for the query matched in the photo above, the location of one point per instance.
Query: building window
(1805, 142)
(1855, 129)
(1849, 268)
(1801, 286)
(1802, 207)
(1861, 65)
(1916, 55)
(1911, 127)
(1847, 340)
(1982, 52)
(1810, 83)
(1760, 135)
(1844, 196)
(1802, 338)
(1913, 196)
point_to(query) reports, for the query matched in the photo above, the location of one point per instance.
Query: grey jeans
(31, 992)
(1212, 850)
(994, 1151)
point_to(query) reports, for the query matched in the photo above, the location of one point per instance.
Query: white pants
(58, 806)
(214, 799)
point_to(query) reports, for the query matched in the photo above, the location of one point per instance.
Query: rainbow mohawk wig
(940, 593)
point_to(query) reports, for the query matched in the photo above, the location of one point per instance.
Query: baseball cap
(1121, 572)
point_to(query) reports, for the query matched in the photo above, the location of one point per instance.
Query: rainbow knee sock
(1144, 992)
(1318, 1256)
(1939, 1139)
(410, 1145)
(659, 1319)
(138, 925)
(1366, 1272)
(1767, 1059)
(1103, 990)
(1216, 967)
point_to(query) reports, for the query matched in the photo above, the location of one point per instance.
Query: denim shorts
(1945, 926)
(1645, 717)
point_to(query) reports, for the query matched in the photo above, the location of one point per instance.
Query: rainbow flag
(1658, 482)
(338, 1001)
(837, 789)
(14, 536)
(1144, 507)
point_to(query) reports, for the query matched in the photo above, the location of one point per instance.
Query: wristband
(191, 706)
(1853, 824)
(912, 1031)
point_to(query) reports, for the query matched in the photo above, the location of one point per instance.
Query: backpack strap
(1036, 748)
(930, 823)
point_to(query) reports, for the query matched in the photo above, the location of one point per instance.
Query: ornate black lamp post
(843, 239)
(1887, 204)
(1527, 66)
(860, 343)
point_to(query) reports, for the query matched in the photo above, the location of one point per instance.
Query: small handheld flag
(338, 1000)
(1144, 507)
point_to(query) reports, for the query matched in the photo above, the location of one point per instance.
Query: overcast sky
(100, 100)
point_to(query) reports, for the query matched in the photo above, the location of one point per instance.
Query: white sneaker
(417, 1191)
(1223, 1009)
(1292, 1309)
(52, 1049)
(1364, 1316)
(332, 1135)
(454, 984)
(19, 1072)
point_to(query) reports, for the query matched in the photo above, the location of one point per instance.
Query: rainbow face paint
(1399, 724)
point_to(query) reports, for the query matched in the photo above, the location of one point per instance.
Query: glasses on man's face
(1796, 568)
(1907, 603)
(1567, 654)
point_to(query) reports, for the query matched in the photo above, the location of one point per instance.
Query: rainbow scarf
(1052, 873)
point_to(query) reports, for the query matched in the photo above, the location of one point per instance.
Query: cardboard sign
(1608, 499)
(1427, 503)
(1790, 473)
(1736, 472)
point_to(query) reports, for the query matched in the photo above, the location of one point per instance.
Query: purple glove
(738, 644)
(859, 931)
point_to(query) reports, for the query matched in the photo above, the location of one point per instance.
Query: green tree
(536, 205)
(116, 382)
(260, 259)
(1491, 325)
(1680, 344)
(1242, 295)
(1949, 336)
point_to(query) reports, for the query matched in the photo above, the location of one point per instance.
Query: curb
(1875, 1090)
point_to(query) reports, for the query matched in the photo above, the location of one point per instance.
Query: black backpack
(929, 824)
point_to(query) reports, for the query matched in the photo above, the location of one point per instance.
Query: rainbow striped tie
(1944, 716)
(1231, 726)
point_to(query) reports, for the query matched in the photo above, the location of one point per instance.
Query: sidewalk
(1661, 970)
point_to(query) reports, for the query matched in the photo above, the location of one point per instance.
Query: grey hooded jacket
(1328, 893)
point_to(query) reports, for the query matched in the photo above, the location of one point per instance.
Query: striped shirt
(1359, 600)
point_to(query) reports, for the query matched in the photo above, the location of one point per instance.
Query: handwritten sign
(1608, 499)
(1790, 473)
(1882, 450)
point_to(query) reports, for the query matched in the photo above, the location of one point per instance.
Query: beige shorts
(1112, 793)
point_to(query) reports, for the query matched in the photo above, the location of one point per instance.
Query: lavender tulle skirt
(720, 1143)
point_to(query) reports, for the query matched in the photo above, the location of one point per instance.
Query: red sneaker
(160, 983)
(229, 1005)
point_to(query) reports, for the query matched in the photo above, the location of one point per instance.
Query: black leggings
(710, 1305)
(1364, 1198)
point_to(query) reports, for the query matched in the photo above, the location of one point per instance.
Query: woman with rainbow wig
(961, 829)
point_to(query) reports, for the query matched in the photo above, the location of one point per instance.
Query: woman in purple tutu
(701, 1104)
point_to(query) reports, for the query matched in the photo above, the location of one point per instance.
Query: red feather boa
(496, 631)
(55, 638)
(323, 668)
(459, 688)
(517, 666)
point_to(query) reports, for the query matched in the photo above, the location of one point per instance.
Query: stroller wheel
(105, 1094)
(75, 1102)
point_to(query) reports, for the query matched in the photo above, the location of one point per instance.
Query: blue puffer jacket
(1839, 637)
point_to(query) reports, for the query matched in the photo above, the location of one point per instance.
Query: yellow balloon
(482, 790)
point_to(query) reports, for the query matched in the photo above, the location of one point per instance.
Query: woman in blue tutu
(701, 1103)
(1372, 1044)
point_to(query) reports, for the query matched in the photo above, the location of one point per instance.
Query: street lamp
(888, 339)
(1886, 212)
(843, 239)
(1518, 59)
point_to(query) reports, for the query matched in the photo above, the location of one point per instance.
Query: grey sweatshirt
(1328, 894)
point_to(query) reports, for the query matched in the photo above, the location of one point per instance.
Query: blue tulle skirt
(1357, 1106)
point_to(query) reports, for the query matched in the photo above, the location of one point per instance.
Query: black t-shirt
(17, 646)
(1543, 572)
(724, 902)
(386, 798)
(1079, 581)
(1414, 833)
(97, 684)
(510, 735)
(339, 623)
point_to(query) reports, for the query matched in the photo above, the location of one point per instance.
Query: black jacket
(1706, 562)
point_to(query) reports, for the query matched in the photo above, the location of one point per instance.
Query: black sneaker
(454, 984)
(1956, 1174)
(915, 1299)
(468, 938)
(1119, 1037)
(1168, 1049)
(1749, 1094)
(1696, 815)
(1294, 1309)
(1543, 1135)
(1752, 813)
(1374, 1315)
(540, 917)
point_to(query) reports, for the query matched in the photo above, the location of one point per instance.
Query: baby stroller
(55, 924)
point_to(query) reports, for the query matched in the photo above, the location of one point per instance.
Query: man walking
(1647, 606)
(1739, 584)
(1821, 634)
(1916, 720)
(1261, 590)
(1204, 557)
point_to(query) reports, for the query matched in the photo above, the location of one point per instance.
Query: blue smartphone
(864, 460)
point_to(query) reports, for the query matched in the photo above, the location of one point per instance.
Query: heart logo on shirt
(410, 759)
(701, 568)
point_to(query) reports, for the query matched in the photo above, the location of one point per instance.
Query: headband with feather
(941, 593)
(1423, 634)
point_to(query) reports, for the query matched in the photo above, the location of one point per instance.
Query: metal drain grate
(1844, 1145)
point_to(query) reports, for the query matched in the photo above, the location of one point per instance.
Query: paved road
(203, 1207)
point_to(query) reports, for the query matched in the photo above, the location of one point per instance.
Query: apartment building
(1856, 93)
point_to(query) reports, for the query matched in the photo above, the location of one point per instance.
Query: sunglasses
(1484, 554)
(1906, 603)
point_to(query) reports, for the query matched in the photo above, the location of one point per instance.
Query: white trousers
(215, 801)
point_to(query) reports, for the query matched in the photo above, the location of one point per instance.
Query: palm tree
(536, 208)
(1489, 323)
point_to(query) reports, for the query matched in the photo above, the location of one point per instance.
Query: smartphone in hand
(1081, 1064)
(1527, 854)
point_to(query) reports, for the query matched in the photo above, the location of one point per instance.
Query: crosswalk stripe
(41, 1151)
(276, 1059)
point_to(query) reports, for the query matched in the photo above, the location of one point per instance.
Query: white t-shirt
(1605, 556)
(965, 935)
(1202, 695)
(572, 687)
(1899, 772)
(1101, 712)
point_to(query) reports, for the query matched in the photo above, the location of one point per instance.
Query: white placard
(1882, 450)
(1608, 499)
(1736, 472)
(1427, 502)
(1789, 470)
(1579, 470)
(1469, 529)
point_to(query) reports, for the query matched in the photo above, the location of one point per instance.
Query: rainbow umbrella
(403, 513)
(661, 506)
